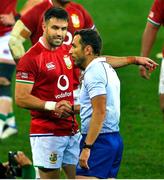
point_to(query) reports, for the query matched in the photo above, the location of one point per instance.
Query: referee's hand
(84, 156)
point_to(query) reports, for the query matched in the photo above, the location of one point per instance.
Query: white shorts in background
(5, 54)
(55, 151)
(161, 78)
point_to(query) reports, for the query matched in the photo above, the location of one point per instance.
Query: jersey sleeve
(156, 12)
(26, 70)
(95, 80)
(31, 18)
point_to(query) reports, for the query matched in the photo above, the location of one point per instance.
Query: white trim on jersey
(24, 81)
(153, 22)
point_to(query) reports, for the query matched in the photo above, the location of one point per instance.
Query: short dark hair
(56, 12)
(90, 37)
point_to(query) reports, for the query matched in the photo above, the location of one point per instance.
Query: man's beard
(55, 43)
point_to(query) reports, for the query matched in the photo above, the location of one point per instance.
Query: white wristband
(50, 105)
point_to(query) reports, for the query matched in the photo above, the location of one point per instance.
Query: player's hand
(144, 73)
(149, 64)
(7, 19)
(84, 156)
(22, 159)
(63, 109)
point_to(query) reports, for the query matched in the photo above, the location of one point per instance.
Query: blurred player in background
(154, 21)
(30, 26)
(8, 17)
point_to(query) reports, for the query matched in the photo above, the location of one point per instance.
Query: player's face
(77, 52)
(55, 31)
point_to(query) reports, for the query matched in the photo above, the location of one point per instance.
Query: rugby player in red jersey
(8, 17)
(30, 26)
(44, 85)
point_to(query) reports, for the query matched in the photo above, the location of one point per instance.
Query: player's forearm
(148, 39)
(95, 127)
(29, 101)
(117, 62)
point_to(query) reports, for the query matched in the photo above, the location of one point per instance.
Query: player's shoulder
(34, 51)
(76, 5)
(41, 6)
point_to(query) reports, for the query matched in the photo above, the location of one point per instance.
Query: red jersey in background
(7, 7)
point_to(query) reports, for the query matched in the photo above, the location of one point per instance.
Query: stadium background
(121, 24)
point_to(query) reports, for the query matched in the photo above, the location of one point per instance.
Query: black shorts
(7, 70)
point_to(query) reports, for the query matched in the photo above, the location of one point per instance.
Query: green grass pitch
(121, 24)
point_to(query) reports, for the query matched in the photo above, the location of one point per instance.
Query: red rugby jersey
(79, 18)
(156, 14)
(51, 73)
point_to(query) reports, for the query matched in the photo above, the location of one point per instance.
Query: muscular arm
(24, 98)
(97, 119)
(117, 62)
(148, 39)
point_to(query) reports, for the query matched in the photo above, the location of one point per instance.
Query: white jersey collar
(98, 59)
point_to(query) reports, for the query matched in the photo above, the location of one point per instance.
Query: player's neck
(89, 59)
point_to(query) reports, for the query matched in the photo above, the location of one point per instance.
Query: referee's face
(55, 31)
(77, 52)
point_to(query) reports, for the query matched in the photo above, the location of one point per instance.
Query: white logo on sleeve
(63, 83)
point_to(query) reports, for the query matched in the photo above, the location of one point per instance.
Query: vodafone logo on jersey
(63, 82)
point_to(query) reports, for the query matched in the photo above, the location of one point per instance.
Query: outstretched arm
(117, 62)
